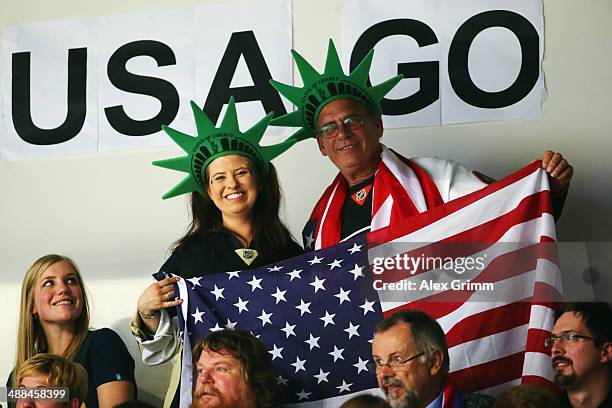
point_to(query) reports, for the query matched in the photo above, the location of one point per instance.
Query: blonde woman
(54, 318)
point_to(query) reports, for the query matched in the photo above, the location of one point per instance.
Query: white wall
(105, 210)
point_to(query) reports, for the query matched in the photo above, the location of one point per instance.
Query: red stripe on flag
(489, 374)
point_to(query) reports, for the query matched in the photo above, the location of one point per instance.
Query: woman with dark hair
(235, 200)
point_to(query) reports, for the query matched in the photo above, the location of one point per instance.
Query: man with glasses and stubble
(581, 350)
(411, 360)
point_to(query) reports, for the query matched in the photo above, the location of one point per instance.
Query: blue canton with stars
(315, 314)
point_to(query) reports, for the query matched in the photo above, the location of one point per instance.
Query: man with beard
(581, 349)
(233, 370)
(411, 357)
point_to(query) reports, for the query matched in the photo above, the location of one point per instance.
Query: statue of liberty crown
(211, 143)
(321, 89)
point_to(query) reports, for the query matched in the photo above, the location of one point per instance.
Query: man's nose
(204, 376)
(385, 373)
(343, 131)
(557, 348)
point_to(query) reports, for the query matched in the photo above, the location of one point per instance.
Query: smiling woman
(235, 225)
(54, 318)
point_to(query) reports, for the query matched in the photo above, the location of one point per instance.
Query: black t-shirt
(105, 358)
(357, 217)
(607, 403)
(201, 257)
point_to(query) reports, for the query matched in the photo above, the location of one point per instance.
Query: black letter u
(77, 107)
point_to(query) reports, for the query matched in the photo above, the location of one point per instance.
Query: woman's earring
(35, 316)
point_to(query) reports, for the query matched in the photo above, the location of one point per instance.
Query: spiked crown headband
(321, 89)
(211, 143)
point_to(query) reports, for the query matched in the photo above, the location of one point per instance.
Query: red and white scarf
(401, 189)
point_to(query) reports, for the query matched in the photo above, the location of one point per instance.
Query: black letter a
(242, 43)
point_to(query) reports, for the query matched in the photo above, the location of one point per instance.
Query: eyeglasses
(567, 338)
(395, 363)
(330, 130)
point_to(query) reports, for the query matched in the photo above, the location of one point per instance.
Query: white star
(355, 248)
(309, 240)
(337, 353)
(312, 341)
(279, 295)
(198, 316)
(299, 364)
(328, 319)
(322, 376)
(303, 395)
(218, 292)
(241, 305)
(216, 328)
(303, 307)
(281, 380)
(343, 295)
(288, 329)
(294, 274)
(315, 260)
(344, 386)
(361, 365)
(230, 325)
(335, 264)
(275, 268)
(255, 283)
(233, 274)
(276, 352)
(356, 271)
(265, 318)
(317, 284)
(352, 330)
(195, 282)
(367, 307)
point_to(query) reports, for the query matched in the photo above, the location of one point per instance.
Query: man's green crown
(320, 89)
(211, 143)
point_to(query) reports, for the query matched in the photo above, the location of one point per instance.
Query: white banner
(108, 83)
(52, 118)
(145, 58)
(265, 46)
(462, 61)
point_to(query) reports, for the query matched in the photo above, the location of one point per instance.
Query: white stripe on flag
(321, 222)
(496, 204)
(488, 348)
(538, 364)
(382, 218)
(406, 177)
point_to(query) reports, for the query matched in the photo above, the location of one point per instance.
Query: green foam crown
(332, 84)
(211, 143)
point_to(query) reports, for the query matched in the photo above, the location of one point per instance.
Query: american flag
(316, 313)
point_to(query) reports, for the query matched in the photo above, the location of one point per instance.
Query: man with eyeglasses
(411, 359)
(343, 113)
(581, 350)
